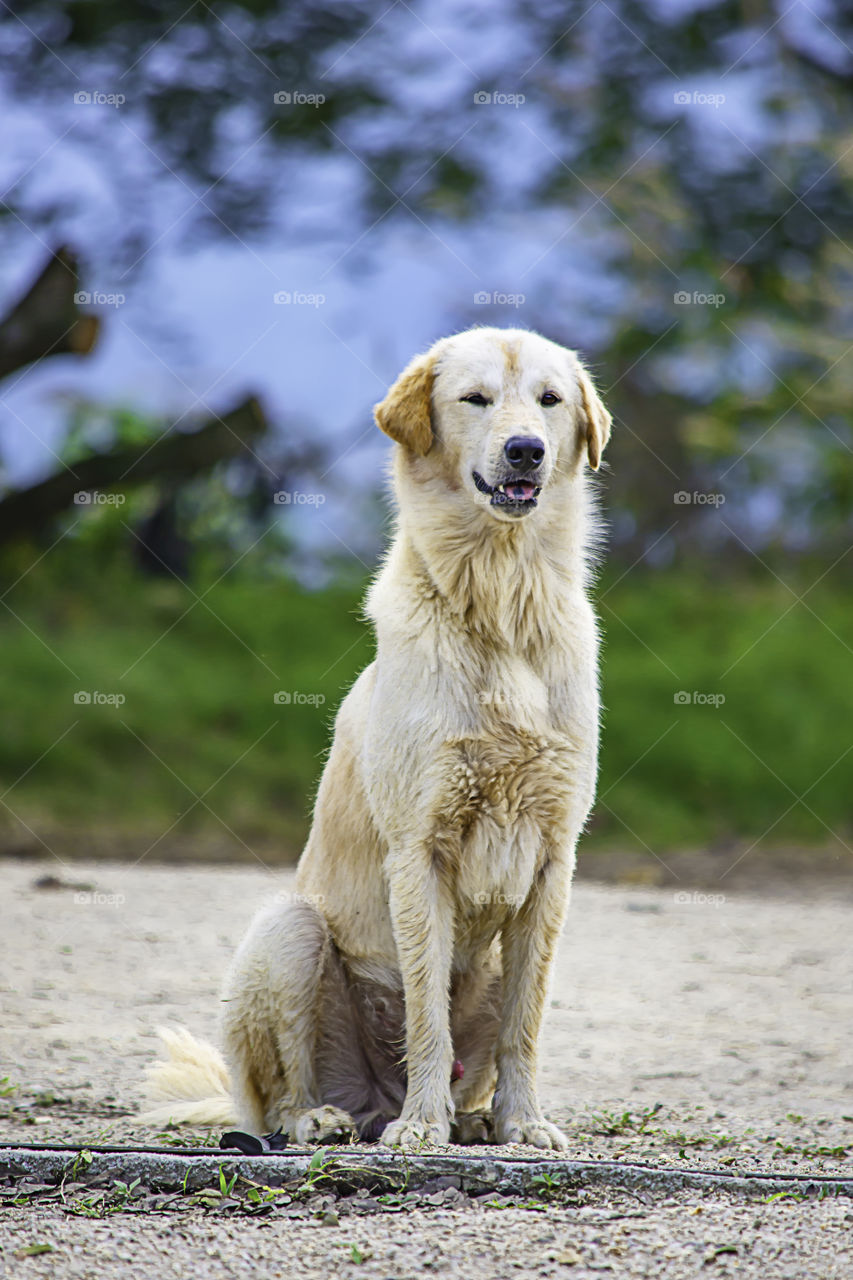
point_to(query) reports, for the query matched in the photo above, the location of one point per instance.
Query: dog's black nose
(524, 452)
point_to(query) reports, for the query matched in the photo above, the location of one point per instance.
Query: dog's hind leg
(272, 1008)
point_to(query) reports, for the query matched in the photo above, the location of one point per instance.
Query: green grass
(199, 716)
(683, 774)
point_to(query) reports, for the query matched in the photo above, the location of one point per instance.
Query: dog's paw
(534, 1132)
(322, 1124)
(413, 1135)
(472, 1128)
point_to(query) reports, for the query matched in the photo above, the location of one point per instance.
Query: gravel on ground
(685, 1028)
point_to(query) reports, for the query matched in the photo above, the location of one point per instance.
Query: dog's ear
(598, 420)
(406, 412)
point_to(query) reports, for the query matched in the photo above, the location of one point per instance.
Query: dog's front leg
(422, 917)
(528, 945)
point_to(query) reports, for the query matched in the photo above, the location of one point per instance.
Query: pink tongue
(521, 489)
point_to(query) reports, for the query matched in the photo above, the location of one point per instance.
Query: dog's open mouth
(516, 495)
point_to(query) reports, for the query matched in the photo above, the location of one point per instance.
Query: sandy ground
(684, 1028)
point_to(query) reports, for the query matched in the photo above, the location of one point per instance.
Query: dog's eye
(550, 397)
(475, 398)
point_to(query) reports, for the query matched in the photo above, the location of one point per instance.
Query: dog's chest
(509, 795)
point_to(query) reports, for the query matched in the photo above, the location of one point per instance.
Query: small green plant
(93, 1206)
(322, 1165)
(123, 1194)
(225, 1186)
(7, 1088)
(611, 1122)
(260, 1194)
(100, 1204)
(318, 1167)
(81, 1161)
(170, 1137)
(682, 1139)
(546, 1183)
(812, 1153)
(395, 1201)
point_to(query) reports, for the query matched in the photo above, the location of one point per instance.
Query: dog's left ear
(406, 412)
(598, 420)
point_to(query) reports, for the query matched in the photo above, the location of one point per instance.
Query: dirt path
(683, 1029)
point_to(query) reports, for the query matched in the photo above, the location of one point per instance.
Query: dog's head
(499, 417)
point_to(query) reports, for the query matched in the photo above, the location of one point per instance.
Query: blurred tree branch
(176, 456)
(47, 320)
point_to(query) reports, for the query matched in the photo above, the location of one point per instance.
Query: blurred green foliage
(199, 668)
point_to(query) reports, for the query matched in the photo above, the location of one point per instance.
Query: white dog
(399, 994)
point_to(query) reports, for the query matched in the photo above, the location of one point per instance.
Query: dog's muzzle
(515, 495)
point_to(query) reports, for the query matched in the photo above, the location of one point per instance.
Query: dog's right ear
(406, 412)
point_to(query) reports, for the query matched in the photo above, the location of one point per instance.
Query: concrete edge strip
(346, 1170)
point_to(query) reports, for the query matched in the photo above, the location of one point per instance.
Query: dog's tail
(192, 1087)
